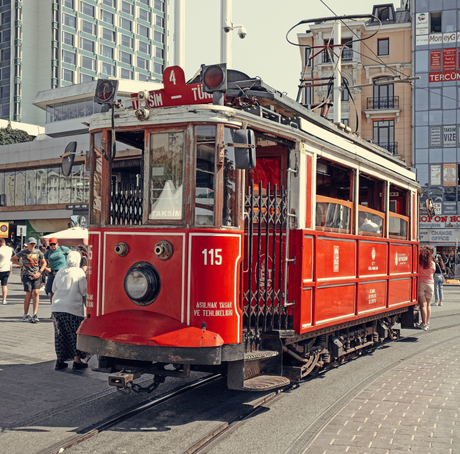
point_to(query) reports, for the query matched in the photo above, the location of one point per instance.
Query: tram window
(398, 200)
(205, 174)
(399, 211)
(371, 209)
(96, 202)
(332, 180)
(166, 169)
(332, 216)
(229, 215)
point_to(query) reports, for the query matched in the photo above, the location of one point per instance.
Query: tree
(9, 135)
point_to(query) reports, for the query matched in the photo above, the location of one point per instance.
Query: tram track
(212, 439)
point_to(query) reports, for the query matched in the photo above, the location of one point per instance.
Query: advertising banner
(435, 60)
(450, 175)
(449, 59)
(4, 229)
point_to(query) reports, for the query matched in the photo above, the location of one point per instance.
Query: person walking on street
(55, 257)
(68, 311)
(33, 264)
(6, 267)
(439, 279)
(426, 284)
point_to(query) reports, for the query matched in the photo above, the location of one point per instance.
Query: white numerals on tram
(90, 252)
(214, 256)
(172, 77)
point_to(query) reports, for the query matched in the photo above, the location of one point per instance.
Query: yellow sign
(4, 227)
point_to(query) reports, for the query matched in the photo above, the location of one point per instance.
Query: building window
(5, 54)
(145, 2)
(383, 47)
(69, 57)
(55, 53)
(5, 110)
(127, 8)
(160, 21)
(5, 36)
(384, 134)
(144, 14)
(126, 58)
(159, 5)
(111, 3)
(86, 44)
(68, 3)
(6, 17)
(67, 75)
(159, 52)
(126, 74)
(87, 9)
(5, 91)
(70, 21)
(142, 30)
(68, 38)
(158, 36)
(436, 22)
(144, 47)
(108, 69)
(383, 95)
(108, 35)
(5, 73)
(142, 63)
(88, 27)
(384, 12)
(127, 41)
(85, 78)
(143, 77)
(158, 68)
(88, 63)
(107, 51)
(107, 17)
(126, 24)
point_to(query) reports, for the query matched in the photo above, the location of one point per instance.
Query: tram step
(260, 354)
(265, 383)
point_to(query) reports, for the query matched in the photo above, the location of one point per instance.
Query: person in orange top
(426, 284)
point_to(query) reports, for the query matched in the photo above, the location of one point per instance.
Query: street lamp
(227, 26)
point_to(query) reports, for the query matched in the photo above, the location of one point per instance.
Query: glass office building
(54, 43)
(436, 114)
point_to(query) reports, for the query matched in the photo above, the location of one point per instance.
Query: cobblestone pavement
(415, 407)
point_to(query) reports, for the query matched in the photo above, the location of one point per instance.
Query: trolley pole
(338, 73)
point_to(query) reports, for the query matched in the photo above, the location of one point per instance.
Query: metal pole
(179, 33)
(338, 74)
(226, 38)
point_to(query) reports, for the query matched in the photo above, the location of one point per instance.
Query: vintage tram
(245, 235)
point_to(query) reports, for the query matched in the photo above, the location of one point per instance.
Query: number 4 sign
(175, 92)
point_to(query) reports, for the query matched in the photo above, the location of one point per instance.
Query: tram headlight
(142, 283)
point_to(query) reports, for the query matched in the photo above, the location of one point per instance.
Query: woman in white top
(68, 311)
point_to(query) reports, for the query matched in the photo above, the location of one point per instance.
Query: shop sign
(435, 60)
(435, 137)
(439, 235)
(449, 59)
(445, 76)
(421, 40)
(422, 21)
(4, 229)
(450, 174)
(443, 221)
(450, 136)
(450, 208)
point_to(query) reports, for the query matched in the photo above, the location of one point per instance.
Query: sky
(264, 52)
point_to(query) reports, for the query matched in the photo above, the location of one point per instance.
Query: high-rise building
(55, 43)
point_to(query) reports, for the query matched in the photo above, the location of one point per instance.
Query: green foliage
(9, 135)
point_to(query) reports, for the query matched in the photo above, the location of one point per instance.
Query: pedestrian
(6, 267)
(55, 257)
(426, 284)
(68, 311)
(439, 279)
(32, 264)
(83, 250)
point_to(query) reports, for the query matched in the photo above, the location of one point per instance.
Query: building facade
(373, 51)
(47, 44)
(436, 106)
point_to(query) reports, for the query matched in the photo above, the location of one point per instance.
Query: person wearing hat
(32, 262)
(55, 257)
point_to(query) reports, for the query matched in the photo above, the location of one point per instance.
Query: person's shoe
(425, 328)
(60, 366)
(78, 366)
(34, 319)
(422, 325)
(4, 302)
(440, 303)
(26, 318)
(434, 304)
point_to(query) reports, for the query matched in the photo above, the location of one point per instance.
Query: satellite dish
(68, 158)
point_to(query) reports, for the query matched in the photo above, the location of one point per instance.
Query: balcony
(388, 102)
(347, 55)
(392, 147)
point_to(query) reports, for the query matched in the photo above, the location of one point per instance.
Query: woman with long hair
(426, 284)
(439, 279)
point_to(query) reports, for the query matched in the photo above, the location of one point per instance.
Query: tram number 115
(215, 257)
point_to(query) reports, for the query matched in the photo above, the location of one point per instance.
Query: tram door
(265, 233)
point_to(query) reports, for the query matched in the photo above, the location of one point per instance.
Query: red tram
(253, 237)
